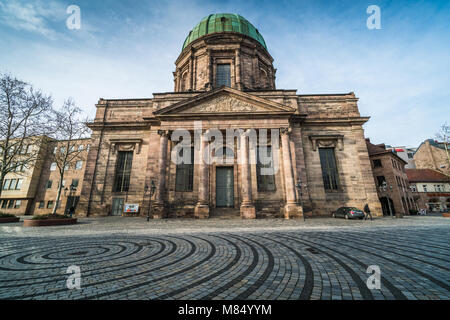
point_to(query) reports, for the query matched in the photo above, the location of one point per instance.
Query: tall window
(266, 182)
(123, 171)
(223, 75)
(184, 180)
(329, 168)
(377, 163)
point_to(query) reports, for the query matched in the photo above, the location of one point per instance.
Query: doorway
(71, 202)
(117, 207)
(224, 187)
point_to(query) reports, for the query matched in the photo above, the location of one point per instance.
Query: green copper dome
(224, 22)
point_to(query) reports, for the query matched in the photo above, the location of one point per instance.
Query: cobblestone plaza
(322, 258)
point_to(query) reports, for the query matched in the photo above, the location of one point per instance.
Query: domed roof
(224, 22)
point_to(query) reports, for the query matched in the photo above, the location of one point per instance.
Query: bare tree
(69, 129)
(443, 136)
(23, 125)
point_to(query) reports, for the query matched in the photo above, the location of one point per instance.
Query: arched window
(264, 78)
(183, 86)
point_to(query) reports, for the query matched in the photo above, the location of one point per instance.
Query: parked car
(348, 213)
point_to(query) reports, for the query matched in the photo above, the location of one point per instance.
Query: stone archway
(385, 206)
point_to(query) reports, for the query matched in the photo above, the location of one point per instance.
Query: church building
(226, 141)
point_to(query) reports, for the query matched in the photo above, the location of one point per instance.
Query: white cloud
(32, 17)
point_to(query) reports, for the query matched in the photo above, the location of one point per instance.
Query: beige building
(32, 188)
(224, 85)
(20, 186)
(47, 188)
(432, 154)
(431, 189)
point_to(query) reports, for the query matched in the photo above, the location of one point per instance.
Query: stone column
(247, 208)
(159, 210)
(291, 209)
(202, 208)
(238, 69)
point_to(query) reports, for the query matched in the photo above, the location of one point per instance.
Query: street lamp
(152, 190)
(385, 188)
(72, 190)
(299, 188)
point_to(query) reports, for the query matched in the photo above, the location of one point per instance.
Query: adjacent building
(32, 188)
(388, 167)
(406, 153)
(431, 189)
(434, 155)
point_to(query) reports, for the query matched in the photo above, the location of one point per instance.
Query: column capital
(285, 131)
(163, 132)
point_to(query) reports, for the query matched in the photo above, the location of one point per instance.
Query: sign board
(131, 208)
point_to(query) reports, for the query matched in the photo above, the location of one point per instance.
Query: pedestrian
(71, 211)
(367, 212)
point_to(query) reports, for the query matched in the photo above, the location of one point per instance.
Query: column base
(159, 211)
(248, 212)
(201, 211)
(293, 211)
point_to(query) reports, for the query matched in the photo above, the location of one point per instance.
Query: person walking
(367, 212)
(71, 211)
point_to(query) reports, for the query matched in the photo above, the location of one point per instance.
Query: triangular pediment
(224, 101)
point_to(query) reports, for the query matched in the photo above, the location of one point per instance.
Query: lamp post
(72, 189)
(385, 188)
(151, 190)
(300, 192)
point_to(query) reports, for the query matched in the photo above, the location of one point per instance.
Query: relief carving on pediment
(223, 104)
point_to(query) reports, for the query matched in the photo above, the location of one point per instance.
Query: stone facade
(303, 123)
(432, 155)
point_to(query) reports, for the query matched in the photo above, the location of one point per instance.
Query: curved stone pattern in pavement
(261, 265)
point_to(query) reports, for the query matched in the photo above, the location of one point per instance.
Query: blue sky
(127, 49)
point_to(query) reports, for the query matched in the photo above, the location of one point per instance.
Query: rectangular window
(29, 149)
(123, 171)
(329, 168)
(13, 184)
(425, 188)
(223, 75)
(380, 180)
(377, 163)
(79, 165)
(19, 184)
(53, 166)
(50, 205)
(184, 180)
(41, 204)
(75, 183)
(6, 184)
(4, 204)
(80, 147)
(49, 184)
(18, 203)
(265, 179)
(10, 204)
